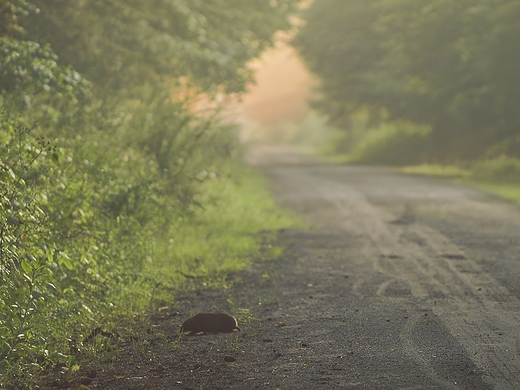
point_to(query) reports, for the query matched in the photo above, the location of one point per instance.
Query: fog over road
(414, 281)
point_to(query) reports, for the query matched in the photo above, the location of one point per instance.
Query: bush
(65, 255)
(393, 142)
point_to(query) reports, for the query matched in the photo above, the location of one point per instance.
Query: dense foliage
(120, 41)
(111, 179)
(449, 65)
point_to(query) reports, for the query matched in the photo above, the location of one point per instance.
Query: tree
(126, 42)
(447, 64)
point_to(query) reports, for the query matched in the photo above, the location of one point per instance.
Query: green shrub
(398, 142)
(65, 256)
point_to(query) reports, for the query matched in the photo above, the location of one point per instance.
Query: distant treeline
(450, 67)
(105, 158)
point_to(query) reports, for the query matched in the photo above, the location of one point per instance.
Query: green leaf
(65, 260)
(26, 267)
(58, 356)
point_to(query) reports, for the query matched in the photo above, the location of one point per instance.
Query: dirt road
(404, 282)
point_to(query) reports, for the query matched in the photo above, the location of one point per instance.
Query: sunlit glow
(280, 94)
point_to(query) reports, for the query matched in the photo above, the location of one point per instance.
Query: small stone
(85, 381)
(229, 358)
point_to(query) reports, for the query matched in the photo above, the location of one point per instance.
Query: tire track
(478, 311)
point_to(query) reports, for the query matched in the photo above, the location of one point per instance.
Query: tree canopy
(122, 42)
(450, 65)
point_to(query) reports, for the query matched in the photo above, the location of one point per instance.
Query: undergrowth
(85, 247)
(120, 179)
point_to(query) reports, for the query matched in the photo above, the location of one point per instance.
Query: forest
(119, 177)
(418, 81)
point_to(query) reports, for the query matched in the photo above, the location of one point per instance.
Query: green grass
(506, 189)
(238, 223)
(447, 171)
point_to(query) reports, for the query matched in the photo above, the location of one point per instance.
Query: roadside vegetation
(119, 179)
(501, 180)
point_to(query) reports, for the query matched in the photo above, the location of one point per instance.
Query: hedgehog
(210, 323)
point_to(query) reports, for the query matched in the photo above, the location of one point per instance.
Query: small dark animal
(210, 323)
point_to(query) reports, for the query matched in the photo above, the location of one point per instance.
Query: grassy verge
(446, 171)
(238, 223)
(507, 189)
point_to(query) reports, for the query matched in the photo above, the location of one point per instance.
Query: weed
(234, 345)
(267, 300)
